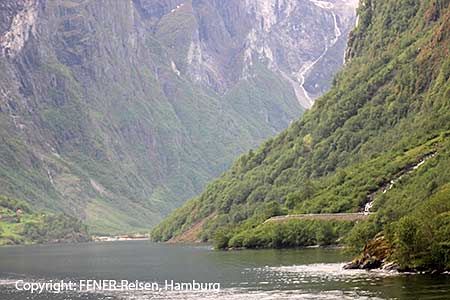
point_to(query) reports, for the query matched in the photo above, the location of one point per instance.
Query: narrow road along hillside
(368, 206)
(338, 216)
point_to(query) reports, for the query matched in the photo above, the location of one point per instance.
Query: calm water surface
(261, 274)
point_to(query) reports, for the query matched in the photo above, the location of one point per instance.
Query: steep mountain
(118, 111)
(380, 136)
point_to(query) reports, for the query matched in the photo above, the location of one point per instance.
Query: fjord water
(248, 274)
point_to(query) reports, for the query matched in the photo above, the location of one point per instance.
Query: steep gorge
(380, 136)
(116, 112)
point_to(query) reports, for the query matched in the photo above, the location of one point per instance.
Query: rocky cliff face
(118, 111)
(301, 41)
(17, 24)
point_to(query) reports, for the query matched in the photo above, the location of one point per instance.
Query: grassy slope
(387, 109)
(37, 227)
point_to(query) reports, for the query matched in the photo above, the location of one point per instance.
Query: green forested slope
(387, 109)
(20, 225)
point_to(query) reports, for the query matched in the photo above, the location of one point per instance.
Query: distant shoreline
(120, 238)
